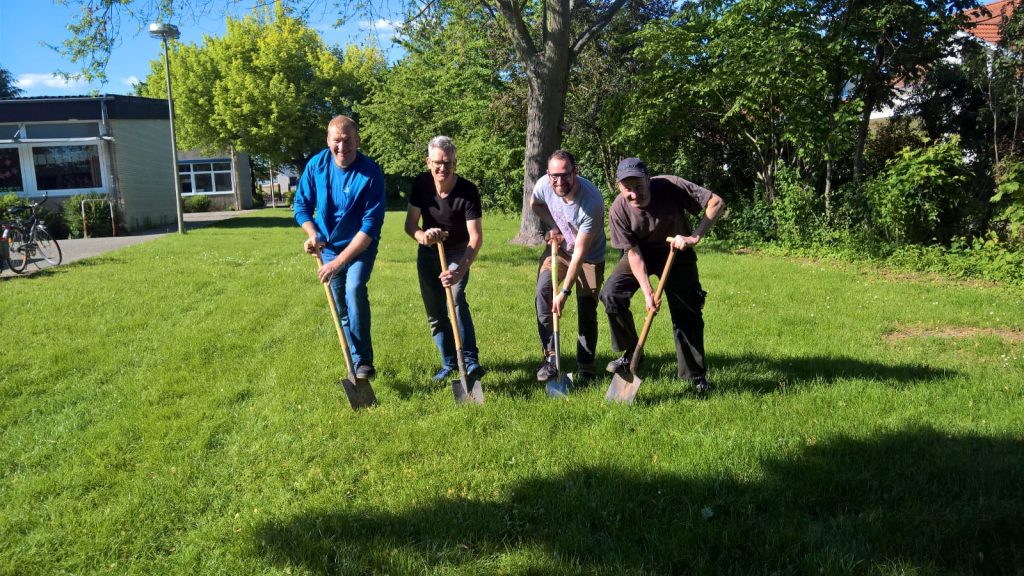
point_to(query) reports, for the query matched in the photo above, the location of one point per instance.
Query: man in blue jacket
(340, 205)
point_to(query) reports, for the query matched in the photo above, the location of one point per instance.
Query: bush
(1009, 199)
(197, 203)
(746, 223)
(97, 215)
(919, 193)
(9, 200)
(796, 210)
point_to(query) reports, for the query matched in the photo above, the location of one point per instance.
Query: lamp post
(163, 32)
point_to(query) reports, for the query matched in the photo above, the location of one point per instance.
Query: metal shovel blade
(360, 393)
(468, 391)
(476, 391)
(623, 388)
(460, 392)
(558, 387)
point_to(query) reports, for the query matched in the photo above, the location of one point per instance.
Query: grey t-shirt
(584, 214)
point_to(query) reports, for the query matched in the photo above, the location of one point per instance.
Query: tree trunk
(548, 76)
(544, 115)
(870, 98)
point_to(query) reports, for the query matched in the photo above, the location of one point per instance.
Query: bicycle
(28, 238)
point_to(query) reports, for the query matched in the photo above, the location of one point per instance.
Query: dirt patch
(963, 332)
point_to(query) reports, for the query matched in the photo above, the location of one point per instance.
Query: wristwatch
(566, 291)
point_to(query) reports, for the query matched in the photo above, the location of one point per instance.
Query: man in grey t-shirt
(572, 210)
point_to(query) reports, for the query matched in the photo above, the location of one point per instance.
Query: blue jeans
(428, 267)
(353, 302)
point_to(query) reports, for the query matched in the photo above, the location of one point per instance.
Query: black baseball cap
(631, 168)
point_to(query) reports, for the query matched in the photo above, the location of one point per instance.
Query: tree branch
(595, 28)
(517, 30)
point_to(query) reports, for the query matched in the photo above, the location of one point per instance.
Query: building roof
(986, 26)
(62, 108)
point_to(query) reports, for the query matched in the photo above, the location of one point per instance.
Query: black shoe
(547, 370)
(365, 371)
(475, 372)
(583, 377)
(701, 386)
(621, 364)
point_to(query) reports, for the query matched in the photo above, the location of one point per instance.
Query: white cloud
(34, 81)
(379, 25)
(130, 81)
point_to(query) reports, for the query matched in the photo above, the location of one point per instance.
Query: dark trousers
(588, 283)
(684, 297)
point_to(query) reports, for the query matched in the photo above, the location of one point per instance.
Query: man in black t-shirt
(446, 204)
(645, 213)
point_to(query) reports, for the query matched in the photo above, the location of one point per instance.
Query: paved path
(82, 248)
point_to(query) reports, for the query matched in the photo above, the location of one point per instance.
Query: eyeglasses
(562, 177)
(438, 164)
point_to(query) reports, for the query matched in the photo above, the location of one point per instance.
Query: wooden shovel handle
(451, 299)
(554, 282)
(657, 299)
(337, 321)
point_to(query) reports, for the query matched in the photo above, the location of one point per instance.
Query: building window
(10, 171)
(67, 167)
(62, 130)
(205, 177)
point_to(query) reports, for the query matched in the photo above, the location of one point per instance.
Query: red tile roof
(986, 27)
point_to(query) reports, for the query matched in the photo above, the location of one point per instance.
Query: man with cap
(647, 211)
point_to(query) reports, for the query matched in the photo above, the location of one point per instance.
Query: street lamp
(163, 32)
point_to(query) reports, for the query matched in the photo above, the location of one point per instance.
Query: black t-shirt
(449, 213)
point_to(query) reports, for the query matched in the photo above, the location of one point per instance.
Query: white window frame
(212, 173)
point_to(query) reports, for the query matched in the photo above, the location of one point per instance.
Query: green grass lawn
(174, 408)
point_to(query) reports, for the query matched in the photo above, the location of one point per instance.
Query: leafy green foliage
(919, 189)
(797, 210)
(448, 85)
(7, 87)
(97, 215)
(1010, 197)
(196, 203)
(268, 87)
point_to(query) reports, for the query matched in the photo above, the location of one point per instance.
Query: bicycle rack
(85, 224)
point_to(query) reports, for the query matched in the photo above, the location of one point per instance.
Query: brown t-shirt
(673, 202)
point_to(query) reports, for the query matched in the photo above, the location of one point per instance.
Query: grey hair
(442, 143)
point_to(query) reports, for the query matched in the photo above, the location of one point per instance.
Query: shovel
(464, 389)
(624, 387)
(360, 393)
(559, 386)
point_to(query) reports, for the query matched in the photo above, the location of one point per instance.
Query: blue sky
(27, 25)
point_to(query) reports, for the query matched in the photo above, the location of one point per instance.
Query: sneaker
(365, 371)
(547, 370)
(621, 364)
(443, 374)
(475, 372)
(701, 386)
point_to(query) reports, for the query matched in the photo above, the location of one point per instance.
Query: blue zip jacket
(341, 202)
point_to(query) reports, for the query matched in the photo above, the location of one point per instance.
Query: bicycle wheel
(46, 247)
(17, 255)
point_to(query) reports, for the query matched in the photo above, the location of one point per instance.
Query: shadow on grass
(917, 500)
(746, 373)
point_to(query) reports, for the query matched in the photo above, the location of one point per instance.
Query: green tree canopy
(268, 87)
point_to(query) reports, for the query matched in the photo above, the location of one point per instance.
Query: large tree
(546, 37)
(268, 87)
